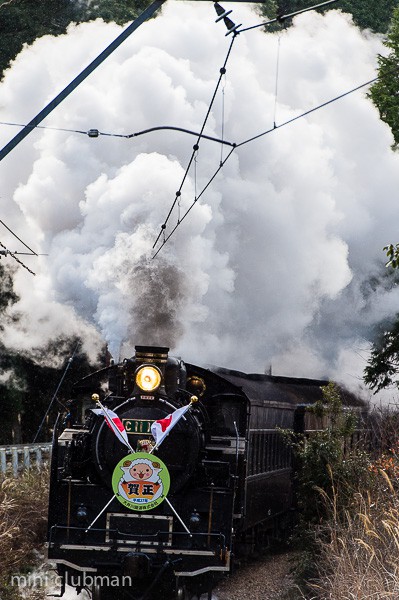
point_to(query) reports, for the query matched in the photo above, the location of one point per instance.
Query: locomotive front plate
(140, 481)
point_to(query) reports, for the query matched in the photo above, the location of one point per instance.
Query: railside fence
(17, 458)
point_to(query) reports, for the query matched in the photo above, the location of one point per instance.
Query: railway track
(267, 578)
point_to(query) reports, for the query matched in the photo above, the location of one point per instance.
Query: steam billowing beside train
(197, 469)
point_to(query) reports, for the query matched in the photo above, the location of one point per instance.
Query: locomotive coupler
(168, 563)
(137, 565)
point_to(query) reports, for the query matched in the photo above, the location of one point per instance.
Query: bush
(330, 466)
(352, 549)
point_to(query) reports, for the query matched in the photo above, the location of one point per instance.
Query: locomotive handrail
(16, 458)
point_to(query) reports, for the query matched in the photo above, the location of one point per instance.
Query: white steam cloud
(275, 264)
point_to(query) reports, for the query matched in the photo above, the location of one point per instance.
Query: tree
(112, 10)
(329, 465)
(367, 14)
(11, 385)
(22, 21)
(385, 92)
(383, 365)
(27, 384)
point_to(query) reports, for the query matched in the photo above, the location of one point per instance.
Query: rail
(17, 458)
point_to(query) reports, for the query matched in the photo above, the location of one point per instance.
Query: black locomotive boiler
(229, 474)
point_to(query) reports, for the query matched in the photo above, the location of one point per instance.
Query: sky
(278, 265)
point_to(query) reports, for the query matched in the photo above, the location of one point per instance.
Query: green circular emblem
(140, 481)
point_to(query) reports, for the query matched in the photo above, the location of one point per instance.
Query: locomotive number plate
(137, 426)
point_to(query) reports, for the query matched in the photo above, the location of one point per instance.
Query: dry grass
(360, 549)
(23, 518)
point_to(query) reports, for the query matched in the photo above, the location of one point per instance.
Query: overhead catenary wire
(307, 112)
(12, 254)
(222, 162)
(95, 133)
(282, 18)
(146, 14)
(220, 141)
(196, 145)
(18, 238)
(166, 238)
(6, 252)
(253, 138)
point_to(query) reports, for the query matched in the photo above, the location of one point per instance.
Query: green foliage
(367, 14)
(327, 466)
(112, 10)
(26, 384)
(22, 21)
(28, 387)
(7, 293)
(329, 473)
(383, 365)
(385, 91)
(392, 253)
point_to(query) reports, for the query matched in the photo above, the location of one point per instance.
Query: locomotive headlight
(148, 378)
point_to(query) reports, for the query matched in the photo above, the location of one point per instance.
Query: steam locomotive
(167, 519)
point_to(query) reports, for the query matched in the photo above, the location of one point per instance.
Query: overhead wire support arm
(171, 128)
(146, 14)
(282, 18)
(222, 14)
(95, 133)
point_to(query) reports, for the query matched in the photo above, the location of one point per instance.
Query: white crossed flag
(114, 423)
(161, 428)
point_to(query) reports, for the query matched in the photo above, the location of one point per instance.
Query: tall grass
(358, 549)
(23, 519)
(348, 496)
